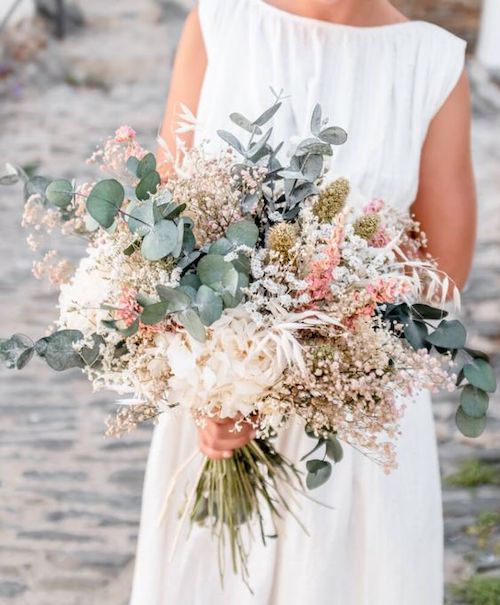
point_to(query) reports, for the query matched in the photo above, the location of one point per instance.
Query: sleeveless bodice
(383, 85)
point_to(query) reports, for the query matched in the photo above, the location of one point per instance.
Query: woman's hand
(218, 439)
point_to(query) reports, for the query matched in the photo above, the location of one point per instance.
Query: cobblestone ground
(69, 498)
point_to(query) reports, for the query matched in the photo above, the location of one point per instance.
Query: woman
(399, 89)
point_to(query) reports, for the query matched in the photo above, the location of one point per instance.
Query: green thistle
(282, 238)
(331, 200)
(367, 226)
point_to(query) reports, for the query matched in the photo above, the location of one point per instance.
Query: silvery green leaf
(41, 346)
(230, 282)
(216, 273)
(11, 349)
(249, 202)
(147, 185)
(474, 401)
(469, 426)
(230, 301)
(318, 473)
(312, 167)
(190, 291)
(231, 140)
(60, 354)
(160, 241)
(334, 449)
(60, 193)
(259, 145)
(90, 223)
(243, 233)
(9, 175)
(267, 115)
(191, 280)
(334, 135)
(153, 314)
(176, 300)
(221, 246)
(141, 217)
(146, 165)
(25, 357)
(244, 123)
(481, 375)
(180, 239)
(189, 241)
(242, 264)
(316, 120)
(132, 164)
(315, 147)
(36, 185)
(300, 193)
(174, 212)
(144, 300)
(190, 320)
(105, 200)
(209, 305)
(291, 174)
(91, 354)
(448, 335)
(185, 261)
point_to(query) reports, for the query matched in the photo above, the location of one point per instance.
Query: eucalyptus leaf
(105, 200)
(146, 165)
(316, 120)
(132, 164)
(243, 233)
(334, 449)
(474, 401)
(258, 146)
(267, 115)
(147, 185)
(216, 273)
(91, 355)
(222, 246)
(60, 353)
(36, 185)
(191, 280)
(25, 357)
(469, 426)
(333, 135)
(11, 349)
(180, 239)
(160, 241)
(318, 473)
(189, 241)
(141, 218)
(416, 333)
(190, 320)
(300, 193)
(480, 374)
(60, 193)
(153, 314)
(448, 335)
(312, 167)
(244, 123)
(426, 312)
(231, 140)
(175, 299)
(209, 305)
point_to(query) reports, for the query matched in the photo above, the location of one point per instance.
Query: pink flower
(374, 206)
(380, 239)
(125, 134)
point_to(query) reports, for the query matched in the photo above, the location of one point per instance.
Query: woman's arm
(446, 200)
(185, 85)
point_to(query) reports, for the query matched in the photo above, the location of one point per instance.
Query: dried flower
(281, 239)
(367, 226)
(331, 200)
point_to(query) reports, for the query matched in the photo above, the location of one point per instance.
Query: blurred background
(70, 73)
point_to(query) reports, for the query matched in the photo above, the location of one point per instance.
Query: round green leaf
(333, 135)
(474, 401)
(177, 299)
(468, 426)
(415, 333)
(243, 233)
(104, 201)
(334, 449)
(146, 165)
(422, 311)
(160, 241)
(480, 374)
(141, 219)
(153, 314)
(448, 335)
(209, 305)
(319, 472)
(221, 246)
(60, 193)
(190, 320)
(60, 354)
(37, 185)
(147, 185)
(216, 273)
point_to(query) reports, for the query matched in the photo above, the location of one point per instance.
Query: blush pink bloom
(374, 206)
(129, 310)
(321, 273)
(380, 239)
(125, 134)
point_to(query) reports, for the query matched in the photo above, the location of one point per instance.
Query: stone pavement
(69, 498)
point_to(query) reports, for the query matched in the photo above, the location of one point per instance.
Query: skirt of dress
(379, 544)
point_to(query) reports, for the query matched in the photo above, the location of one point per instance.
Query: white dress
(382, 542)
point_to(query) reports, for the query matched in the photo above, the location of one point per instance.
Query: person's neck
(361, 13)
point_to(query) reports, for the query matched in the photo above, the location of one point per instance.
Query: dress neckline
(331, 24)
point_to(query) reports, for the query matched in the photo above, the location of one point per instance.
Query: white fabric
(382, 542)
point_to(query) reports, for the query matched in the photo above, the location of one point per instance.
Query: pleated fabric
(378, 540)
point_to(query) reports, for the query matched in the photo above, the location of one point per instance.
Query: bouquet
(249, 287)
